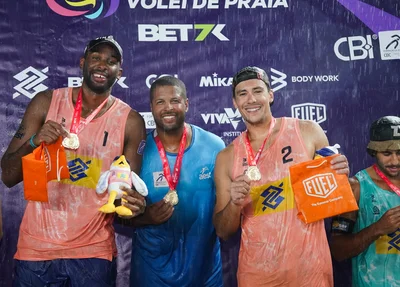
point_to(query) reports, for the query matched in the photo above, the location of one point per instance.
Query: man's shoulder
(207, 137)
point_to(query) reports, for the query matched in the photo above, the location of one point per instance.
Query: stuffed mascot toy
(120, 174)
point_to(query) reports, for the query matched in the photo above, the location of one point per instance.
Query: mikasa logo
(396, 131)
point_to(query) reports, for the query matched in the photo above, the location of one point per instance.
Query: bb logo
(74, 8)
(30, 82)
(320, 185)
(394, 242)
(78, 168)
(358, 47)
(309, 111)
(272, 197)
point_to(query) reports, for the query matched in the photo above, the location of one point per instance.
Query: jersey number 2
(287, 150)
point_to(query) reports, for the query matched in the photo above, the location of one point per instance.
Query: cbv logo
(229, 117)
(320, 185)
(309, 111)
(354, 48)
(179, 32)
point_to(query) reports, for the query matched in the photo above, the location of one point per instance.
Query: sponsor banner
(148, 120)
(207, 4)
(230, 117)
(309, 111)
(77, 82)
(354, 48)
(30, 82)
(389, 44)
(180, 32)
(152, 77)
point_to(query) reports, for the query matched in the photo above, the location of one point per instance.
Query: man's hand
(240, 188)
(158, 212)
(389, 222)
(49, 133)
(134, 201)
(340, 165)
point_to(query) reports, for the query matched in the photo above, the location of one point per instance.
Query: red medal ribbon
(386, 180)
(251, 159)
(77, 125)
(172, 180)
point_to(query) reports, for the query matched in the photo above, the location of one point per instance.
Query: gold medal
(171, 197)
(253, 173)
(71, 142)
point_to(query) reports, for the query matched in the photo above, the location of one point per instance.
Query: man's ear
(187, 105)
(81, 63)
(119, 73)
(271, 97)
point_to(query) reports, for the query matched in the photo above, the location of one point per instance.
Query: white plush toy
(120, 174)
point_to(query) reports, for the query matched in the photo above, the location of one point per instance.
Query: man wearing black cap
(371, 235)
(254, 192)
(67, 241)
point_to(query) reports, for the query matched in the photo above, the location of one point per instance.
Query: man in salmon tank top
(254, 192)
(371, 235)
(67, 241)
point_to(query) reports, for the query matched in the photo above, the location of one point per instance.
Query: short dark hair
(168, 81)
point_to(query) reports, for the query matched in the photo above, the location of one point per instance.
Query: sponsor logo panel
(389, 44)
(30, 82)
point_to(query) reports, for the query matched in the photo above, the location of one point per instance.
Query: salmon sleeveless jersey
(277, 248)
(70, 225)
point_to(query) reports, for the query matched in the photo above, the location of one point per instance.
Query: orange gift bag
(45, 163)
(319, 191)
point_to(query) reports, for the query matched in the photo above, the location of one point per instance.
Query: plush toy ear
(139, 184)
(102, 184)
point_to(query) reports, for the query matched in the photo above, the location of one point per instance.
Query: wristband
(342, 225)
(31, 143)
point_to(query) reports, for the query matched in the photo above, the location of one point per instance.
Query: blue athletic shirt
(183, 251)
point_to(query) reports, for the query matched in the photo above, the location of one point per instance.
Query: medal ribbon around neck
(77, 125)
(172, 179)
(386, 180)
(251, 159)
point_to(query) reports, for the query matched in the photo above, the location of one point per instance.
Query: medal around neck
(71, 142)
(171, 197)
(253, 173)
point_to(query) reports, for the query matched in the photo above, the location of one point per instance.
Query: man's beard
(170, 128)
(98, 89)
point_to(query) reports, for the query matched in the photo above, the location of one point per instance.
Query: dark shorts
(90, 272)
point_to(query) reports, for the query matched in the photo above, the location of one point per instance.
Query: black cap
(249, 73)
(105, 40)
(384, 134)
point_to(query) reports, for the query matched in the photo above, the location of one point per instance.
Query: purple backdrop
(332, 61)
